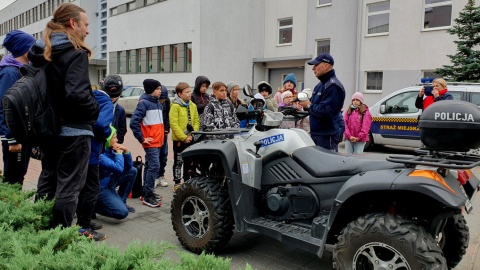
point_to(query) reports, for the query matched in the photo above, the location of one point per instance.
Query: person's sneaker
(176, 186)
(157, 197)
(92, 234)
(96, 226)
(130, 209)
(98, 236)
(157, 181)
(151, 201)
(85, 232)
(163, 182)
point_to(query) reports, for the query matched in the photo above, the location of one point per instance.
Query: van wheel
(201, 215)
(385, 241)
(454, 240)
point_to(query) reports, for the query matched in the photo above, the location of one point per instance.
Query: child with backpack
(182, 113)
(16, 156)
(357, 125)
(148, 128)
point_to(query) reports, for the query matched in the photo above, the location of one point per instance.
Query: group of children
(154, 117)
(357, 118)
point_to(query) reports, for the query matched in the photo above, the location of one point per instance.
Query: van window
(458, 95)
(475, 98)
(402, 103)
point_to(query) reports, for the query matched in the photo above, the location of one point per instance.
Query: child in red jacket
(147, 127)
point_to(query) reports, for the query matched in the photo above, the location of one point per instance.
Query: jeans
(188, 168)
(124, 181)
(64, 172)
(112, 204)
(329, 142)
(152, 167)
(354, 147)
(15, 165)
(163, 157)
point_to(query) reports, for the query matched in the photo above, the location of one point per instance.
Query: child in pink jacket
(357, 125)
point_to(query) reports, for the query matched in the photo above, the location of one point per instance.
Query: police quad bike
(402, 213)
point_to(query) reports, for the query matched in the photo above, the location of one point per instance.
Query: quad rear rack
(440, 159)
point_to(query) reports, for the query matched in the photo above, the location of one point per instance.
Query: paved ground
(259, 251)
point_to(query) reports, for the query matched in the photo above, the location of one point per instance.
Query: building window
(103, 39)
(103, 6)
(285, 28)
(149, 59)
(104, 47)
(104, 55)
(103, 31)
(161, 59)
(103, 23)
(374, 80)
(188, 57)
(131, 6)
(113, 11)
(174, 50)
(430, 74)
(104, 15)
(323, 46)
(119, 62)
(437, 13)
(378, 18)
(138, 60)
(129, 61)
(324, 3)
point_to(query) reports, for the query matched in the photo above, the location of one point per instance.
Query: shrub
(26, 245)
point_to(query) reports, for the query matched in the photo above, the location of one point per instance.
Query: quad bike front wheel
(454, 240)
(385, 241)
(201, 215)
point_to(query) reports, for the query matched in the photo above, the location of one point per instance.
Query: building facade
(379, 46)
(31, 16)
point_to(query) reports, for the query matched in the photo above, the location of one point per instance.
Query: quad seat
(320, 162)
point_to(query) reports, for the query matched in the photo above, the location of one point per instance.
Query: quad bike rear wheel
(385, 241)
(454, 240)
(201, 215)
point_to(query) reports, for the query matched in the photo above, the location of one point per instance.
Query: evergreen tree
(466, 62)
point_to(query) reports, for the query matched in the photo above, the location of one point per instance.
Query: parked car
(130, 96)
(395, 117)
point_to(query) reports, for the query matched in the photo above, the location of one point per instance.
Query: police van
(395, 117)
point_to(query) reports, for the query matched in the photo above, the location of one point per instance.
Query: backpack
(27, 108)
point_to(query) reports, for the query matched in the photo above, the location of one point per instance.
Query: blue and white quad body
(403, 213)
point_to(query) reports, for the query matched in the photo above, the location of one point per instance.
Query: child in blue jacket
(116, 170)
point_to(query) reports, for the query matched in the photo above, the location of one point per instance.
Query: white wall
(224, 35)
(281, 9)
(407, 50)
(338, 22)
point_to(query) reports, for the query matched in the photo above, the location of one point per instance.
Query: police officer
(326, 121)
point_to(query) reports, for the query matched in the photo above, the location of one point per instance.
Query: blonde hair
(441, 81)
(59, 24)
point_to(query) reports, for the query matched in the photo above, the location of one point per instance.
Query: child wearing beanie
(15, 156)
(287, 101)
(148, 128)
(357, 125)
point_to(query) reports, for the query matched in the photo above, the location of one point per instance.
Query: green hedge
(25, 244)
